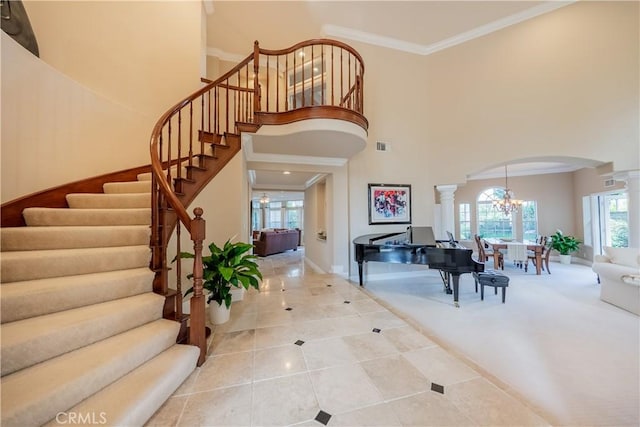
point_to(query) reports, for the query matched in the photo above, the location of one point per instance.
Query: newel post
(256, 82)
(197, 335)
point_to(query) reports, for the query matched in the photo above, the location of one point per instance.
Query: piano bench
(494, 279)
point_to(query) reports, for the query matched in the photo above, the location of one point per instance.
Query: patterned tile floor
(312, 349)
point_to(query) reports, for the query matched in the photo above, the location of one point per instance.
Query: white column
(448, 217)
(632, 184)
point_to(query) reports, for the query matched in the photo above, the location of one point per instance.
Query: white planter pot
(218, 314)
(565, 259)
(237, 294)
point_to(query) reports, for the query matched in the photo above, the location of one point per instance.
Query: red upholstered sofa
(273, 242)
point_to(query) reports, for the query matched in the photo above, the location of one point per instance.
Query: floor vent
(609, 183)
(383, 146)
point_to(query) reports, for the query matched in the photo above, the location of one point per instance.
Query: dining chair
(485, 254)
(546, 251)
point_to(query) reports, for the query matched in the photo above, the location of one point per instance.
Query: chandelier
(507, 204)
(264, 199)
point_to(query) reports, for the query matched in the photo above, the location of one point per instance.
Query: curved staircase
(89, 323)
(83, 333)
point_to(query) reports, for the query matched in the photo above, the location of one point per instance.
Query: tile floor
(313, 349)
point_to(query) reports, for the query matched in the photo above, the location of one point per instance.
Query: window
(256, 221)
(274, 215)
(277, 214)
(464, 211)
(587, 224)
(307, 85)
(615, 222)
(529, 220)
(294, 214)
(491, 223)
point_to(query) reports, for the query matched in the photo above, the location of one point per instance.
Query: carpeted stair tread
(146, 388)
(108, 201)
(86, 217)
(34, 340)
(30, 298)
(19, 265)
(69, 237)
(33, 396)
(64, 216)
(127, 187)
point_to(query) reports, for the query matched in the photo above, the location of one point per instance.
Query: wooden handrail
(247, 96)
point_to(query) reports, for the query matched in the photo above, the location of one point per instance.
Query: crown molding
(419, 49)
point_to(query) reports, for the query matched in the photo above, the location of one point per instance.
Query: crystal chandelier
(264, 199)
(507, 204)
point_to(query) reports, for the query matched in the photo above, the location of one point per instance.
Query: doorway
(608, 224)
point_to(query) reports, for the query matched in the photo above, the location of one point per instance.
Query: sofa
(618, 272)
(275, 241)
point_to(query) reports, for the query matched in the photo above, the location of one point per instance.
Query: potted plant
(565, 245)
(225, 268)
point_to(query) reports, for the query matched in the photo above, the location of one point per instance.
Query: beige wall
(315, 250)
(106, 73)
(56, 131)
(144, 54)
(562, 85)
(221, 201)
(552, 193)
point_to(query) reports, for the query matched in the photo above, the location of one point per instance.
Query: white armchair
(618, 272)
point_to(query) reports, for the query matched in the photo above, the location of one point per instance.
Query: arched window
(492, 223)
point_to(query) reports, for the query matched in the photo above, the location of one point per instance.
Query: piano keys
(417, 245)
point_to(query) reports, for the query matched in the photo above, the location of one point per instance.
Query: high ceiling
(413, 24)
(420, 27)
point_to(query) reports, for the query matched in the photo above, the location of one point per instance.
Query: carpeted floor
(554, 342)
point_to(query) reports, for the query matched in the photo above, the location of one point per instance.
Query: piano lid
(414, 236)
(421, 236)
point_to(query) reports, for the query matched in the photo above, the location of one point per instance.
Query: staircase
(88, 317)
(83, 333)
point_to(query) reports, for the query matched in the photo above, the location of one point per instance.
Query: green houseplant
(228, 266)
(565, 245)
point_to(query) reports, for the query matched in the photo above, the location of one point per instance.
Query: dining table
(497, 244)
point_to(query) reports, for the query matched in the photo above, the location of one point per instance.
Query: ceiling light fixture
(264, 199)
(286, 173)
(507, 204)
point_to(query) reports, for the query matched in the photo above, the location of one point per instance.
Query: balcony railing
(313, 79)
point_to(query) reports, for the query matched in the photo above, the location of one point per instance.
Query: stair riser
(46, 238)
(22, 300)
(31, 341)
(109, 201)
(127, 187)
(31, 265)
(65, 381)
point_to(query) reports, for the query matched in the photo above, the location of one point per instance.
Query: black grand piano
(417, 245)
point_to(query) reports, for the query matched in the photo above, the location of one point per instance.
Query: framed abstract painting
(389, 204)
